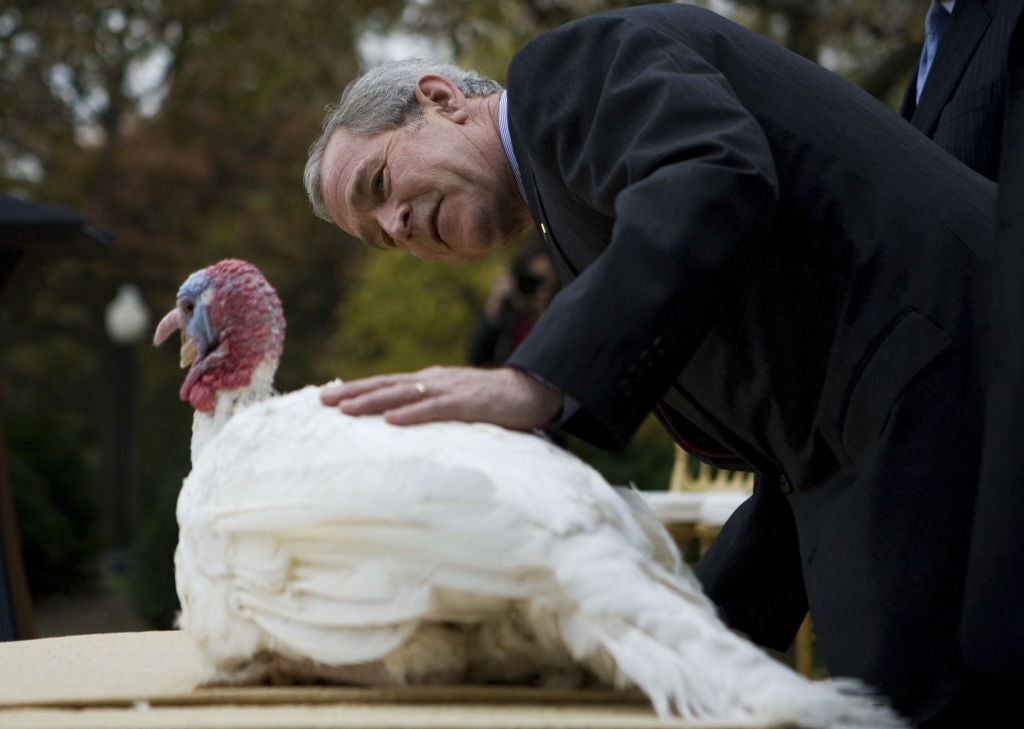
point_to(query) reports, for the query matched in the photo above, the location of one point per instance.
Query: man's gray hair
(382, 99)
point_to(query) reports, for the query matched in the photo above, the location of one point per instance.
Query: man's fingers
(417, 412)
(334, 394)
(381, 394)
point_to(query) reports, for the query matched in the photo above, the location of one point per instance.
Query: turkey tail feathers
(666, 640)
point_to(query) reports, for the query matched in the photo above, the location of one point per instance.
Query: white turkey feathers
(319, 546)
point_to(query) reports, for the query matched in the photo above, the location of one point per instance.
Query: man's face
(434, 188)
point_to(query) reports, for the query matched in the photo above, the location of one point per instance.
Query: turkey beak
(173, 322)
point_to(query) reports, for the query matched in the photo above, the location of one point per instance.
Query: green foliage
(55, 503)
(406, 314)
(646, 461)
(151, 580)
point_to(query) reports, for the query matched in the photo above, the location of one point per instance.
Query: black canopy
(25, 225)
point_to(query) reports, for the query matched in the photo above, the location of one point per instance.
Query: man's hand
(503, 396)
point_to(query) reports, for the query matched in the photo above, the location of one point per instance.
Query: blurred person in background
(518, 297)
(957, 94)
(993, 629)
(967, 95)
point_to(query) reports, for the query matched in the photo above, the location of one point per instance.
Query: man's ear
(438, 92)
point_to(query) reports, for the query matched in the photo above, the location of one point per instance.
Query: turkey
(318, 547)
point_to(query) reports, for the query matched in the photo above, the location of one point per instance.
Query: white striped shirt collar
(506, 142)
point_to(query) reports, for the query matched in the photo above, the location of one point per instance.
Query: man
(759, 250)
(994, 639)
(958, 94)
(960, 97)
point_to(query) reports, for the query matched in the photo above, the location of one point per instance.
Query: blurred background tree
(182, 128)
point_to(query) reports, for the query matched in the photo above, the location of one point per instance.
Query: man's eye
(378, 183)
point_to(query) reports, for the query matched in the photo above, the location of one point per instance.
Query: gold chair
(720, 490)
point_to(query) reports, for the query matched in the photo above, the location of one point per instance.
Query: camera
(527, 283)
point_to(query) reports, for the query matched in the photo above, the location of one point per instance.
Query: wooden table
(147, 680)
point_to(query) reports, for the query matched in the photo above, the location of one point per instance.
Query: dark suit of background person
(792, 274)
(964, 96)
(964, 108)
(995, 641)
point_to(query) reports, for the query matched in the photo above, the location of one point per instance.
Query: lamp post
(127, 321)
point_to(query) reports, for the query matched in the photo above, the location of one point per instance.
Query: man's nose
(396, 220)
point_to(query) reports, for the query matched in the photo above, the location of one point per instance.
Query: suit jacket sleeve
(619, 125)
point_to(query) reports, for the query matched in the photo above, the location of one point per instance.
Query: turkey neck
(206, 426)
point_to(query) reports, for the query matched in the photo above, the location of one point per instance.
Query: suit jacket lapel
(565, 269)
(957, 47)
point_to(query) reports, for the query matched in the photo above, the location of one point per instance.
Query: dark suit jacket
(994, 605)
(794, 273)
(962, 103)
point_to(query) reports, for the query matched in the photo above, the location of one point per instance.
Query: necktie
(934, 26)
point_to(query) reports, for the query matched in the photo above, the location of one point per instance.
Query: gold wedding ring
(421, 389)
